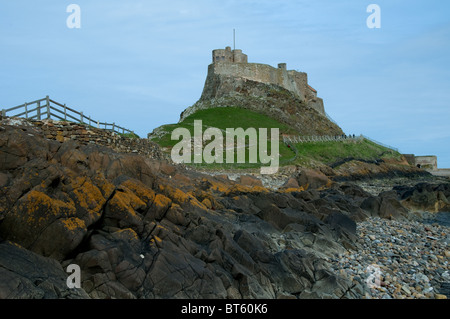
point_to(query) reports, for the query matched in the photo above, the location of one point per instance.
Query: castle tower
(228, 55)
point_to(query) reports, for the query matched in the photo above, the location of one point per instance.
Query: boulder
(291, 183)
(249, 180)
(38, 219)
(390, 206)
(312, 179)
(425, 197)
(343, 225)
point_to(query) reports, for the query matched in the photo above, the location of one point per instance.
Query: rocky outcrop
(358, 169)
(139, 227)
(425, 197)
(268, 99)
(26, 275)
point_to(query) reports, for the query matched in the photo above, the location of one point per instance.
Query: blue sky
(141, 63)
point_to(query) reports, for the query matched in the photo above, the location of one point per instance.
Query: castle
(229, 62)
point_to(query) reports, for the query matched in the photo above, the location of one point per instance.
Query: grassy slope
(308, 153)
(229, 117)
(223, 118)
(332, 152)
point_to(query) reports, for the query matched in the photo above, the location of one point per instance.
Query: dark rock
(342, 224)
(26, 275)
(372, 205)
(424, 197)
(141, 229)
(38, 219)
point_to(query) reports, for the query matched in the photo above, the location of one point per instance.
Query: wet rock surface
(139, 227)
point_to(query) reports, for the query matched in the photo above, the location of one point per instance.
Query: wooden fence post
(48, 106)
(65, 112)
(26, 110)
(114, 127)
(38, 109)
(81, 117)
(3, 113)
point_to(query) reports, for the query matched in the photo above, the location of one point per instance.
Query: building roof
(312, 89)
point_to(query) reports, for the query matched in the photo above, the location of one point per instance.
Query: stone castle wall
(294, 82)
(233, 63)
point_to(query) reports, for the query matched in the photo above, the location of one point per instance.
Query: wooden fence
(296, 139)
(46, 108)
(319, 138)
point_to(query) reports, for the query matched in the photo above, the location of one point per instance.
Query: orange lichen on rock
(180, 197)
(73, 223)
(157, 238)
(89, 197)
(176, 194)
(291, 189)
(161, 201)
(126, 234)
(36, 201)
(207, 203)
(126, 202)
(121, 212)
(105, 186)
(146, 194)
(34, 213)
(216, 185)
(242, 189)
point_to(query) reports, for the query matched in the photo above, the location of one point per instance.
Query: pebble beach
(398, 260)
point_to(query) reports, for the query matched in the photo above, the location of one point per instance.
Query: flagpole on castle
(234, 39)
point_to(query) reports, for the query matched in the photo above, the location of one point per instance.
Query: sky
(141, 63)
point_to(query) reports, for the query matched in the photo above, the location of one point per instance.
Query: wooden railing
(296, 139)
(319, 138)
(46, 108)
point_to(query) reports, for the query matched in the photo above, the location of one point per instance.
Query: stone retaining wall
(63, 131)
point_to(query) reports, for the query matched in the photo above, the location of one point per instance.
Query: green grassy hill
(304, 154)
(330, 153)
(223, 118)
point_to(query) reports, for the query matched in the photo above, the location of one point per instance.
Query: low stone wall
(84, 134)
(428, 161)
